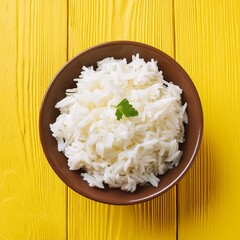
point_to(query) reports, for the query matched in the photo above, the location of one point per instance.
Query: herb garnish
(126, 109)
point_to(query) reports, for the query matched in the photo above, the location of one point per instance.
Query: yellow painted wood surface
(37, 37)
(207, 36)
(33, 47)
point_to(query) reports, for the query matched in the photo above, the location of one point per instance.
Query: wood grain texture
(33, 47)
(94, 21)
(90, 23)
(37, 38)
(207, 45)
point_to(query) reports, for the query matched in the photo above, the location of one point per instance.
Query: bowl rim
(171, 61)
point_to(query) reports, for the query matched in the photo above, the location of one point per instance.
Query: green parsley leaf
(126, 109)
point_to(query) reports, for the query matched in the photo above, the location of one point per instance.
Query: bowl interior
(172, 71)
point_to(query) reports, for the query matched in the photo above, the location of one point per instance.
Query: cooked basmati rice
(132, 151)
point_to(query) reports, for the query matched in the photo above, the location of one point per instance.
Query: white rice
(134, 150)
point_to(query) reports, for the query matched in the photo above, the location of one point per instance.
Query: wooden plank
(208, 46)
(92, 22)
(33, 47)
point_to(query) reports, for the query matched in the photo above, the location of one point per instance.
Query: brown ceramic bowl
(172, 71)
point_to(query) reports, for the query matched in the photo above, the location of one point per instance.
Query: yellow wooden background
(38, 36)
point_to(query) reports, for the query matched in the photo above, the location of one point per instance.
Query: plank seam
(67, 189)
(174, 56)
(67, 29)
